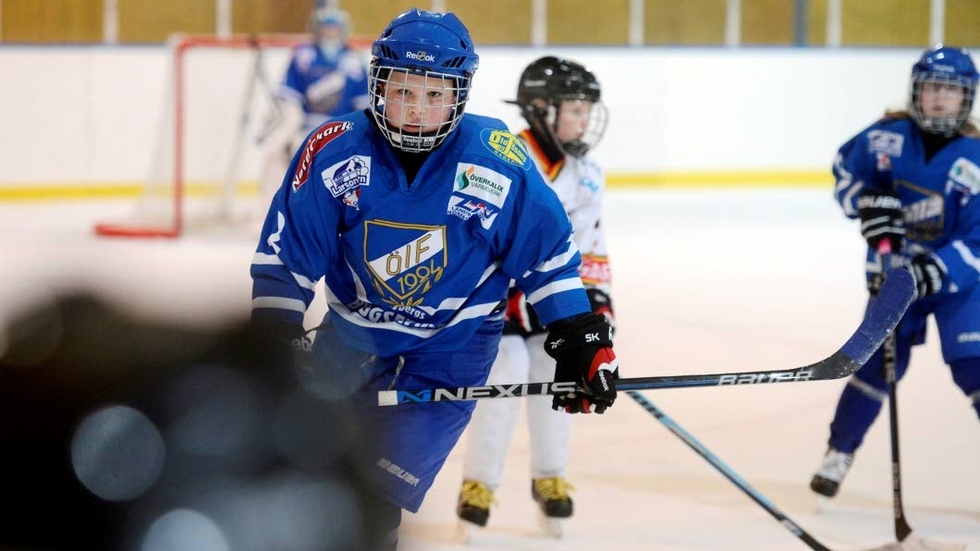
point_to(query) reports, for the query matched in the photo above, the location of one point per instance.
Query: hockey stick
(889, 362)
(879, 321)
(734, 477)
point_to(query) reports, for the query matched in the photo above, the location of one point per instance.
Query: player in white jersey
(418, 217)
(325, 77)
(561, 102)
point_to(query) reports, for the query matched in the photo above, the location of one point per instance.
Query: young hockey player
(418, 218)
(561, 102)
(913, 179)
(325, 77)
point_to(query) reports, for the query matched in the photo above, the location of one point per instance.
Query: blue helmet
(433, 45)
(943, 65)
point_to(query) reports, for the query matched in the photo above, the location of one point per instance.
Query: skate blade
(554, 527)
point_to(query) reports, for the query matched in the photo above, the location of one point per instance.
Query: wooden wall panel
(52, 21)
(271, 16)
(963, 25)
(506, 22)
(885, 23)
(153, 20)
(588, 22)
(689, 23)
(816, 23)
(370, 17)
(768, 22)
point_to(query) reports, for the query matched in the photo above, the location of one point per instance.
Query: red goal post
(218, 91)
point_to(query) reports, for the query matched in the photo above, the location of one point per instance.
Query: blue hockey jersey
(325, 86)
(940, 197)
(420, 265)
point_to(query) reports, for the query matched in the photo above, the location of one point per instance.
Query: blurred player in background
(418, 217)
(561, 102)
(913, 180)
(325, 78)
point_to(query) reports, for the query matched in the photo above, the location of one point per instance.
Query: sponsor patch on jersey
(314, 144)
(883, 141)
(346, 178)
(405, 259)
(507, 146)
(466, 208)
(966, 175)
(482, 183)
(595, 269)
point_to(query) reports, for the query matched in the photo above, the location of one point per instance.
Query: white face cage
(416, 111)
(946, 125)
(594, 130)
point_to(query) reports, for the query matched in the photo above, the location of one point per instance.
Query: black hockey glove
(929, 274)
(881, 219)
(602, 304)
(582, 349)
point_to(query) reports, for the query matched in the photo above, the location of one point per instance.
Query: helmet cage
(394, 130)
(944, 125)
(434, 46)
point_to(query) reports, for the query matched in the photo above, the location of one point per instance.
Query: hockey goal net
(218, 103)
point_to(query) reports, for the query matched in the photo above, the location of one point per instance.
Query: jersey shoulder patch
(966, 175)
(315, 142)
(506, 146)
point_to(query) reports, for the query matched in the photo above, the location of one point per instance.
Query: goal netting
(218, 105)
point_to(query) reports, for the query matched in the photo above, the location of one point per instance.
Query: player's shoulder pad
(496, 142)
(332, 136)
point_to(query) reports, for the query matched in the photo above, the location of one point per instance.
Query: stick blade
(918, 543)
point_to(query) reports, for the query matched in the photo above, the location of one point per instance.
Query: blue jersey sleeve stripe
(559, 261)
(553, 288)
(262, 259)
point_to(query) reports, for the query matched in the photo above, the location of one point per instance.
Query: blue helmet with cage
(436, 47)
(943, 67)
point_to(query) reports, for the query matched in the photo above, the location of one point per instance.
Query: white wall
(89, 115)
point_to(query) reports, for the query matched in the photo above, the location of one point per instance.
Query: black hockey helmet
(551, 80)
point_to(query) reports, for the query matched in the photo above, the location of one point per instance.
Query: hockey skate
(473, 508)
(831, 473)
(554, 505)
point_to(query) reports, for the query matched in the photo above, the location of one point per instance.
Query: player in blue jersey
(561, 102)
(417, 217)
(325, 77)
(913, 180)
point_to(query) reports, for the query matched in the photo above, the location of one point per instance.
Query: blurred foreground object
(126, 434)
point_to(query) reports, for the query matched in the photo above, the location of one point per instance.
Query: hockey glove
(602, 305)
(582, 349)
(929, 274)
(522, 314)
(881, 219)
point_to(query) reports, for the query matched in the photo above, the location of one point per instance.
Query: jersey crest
(405, 259)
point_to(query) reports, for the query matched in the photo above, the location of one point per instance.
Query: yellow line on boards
(728, 179)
